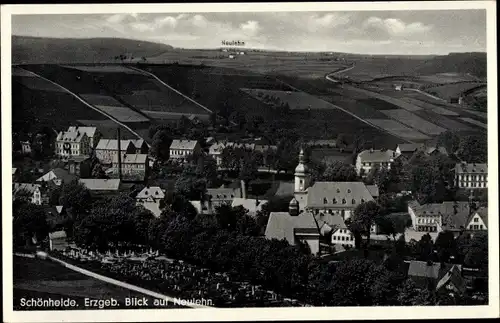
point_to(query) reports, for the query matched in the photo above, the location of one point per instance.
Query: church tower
(302, 181)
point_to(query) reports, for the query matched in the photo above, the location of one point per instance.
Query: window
(353, 201)
(476, 220)
(334, 201)
(343, 201)
(338, 190)
(481, 227)
(325, 200)
(343, 239)
(348, 190)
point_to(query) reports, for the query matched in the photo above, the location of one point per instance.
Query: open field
(398, 129)
(449, 123)
(441, 78)
(475, 122)
(16, 71)
(108, 128)
(396, 102)
(122, 114)
(99, 99)
(36, 83)
(103, 69)
(452, 90)
(43, 278)
(296, 100)
(411, 120)
(358, 107)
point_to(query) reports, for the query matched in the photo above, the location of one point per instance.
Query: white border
(316, 313)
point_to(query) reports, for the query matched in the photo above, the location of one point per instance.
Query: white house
(437, 217)
(107, 149)
(181, 149)
(368, 159)
(58, 176)
(471, 176)
(478, 221)
(57, 240)
(335, 225)
(37, 194)
(72, 143)
(150, 198)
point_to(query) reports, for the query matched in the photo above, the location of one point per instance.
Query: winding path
(87, 104)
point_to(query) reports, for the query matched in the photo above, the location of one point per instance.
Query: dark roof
(64, 175)
(282, 225)
(453, 276)
(471, 168)
(337, 194)
(409, 148)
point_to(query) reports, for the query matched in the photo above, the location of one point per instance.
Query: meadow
(413, 121)
(475, 122)
(399, 129)
(452, 90)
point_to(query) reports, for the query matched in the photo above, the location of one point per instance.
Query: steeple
(301, 173)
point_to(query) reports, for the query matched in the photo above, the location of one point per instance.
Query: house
(25, 147)
(99, 186)
(456, 100)
(294, 227)
(80, 166)
(72, 143)
(471, 176)
(216, 149)
(437, 217)
(14, 174)
(181, 149)
(57, 240)
(452, 283)
(221, 196)
(251, 205)
(91, 133)
(141, 147)
(369, 159)
(433, 151)
(107, 149)
(232, 56)
(150, 198)
(407, 150)
(133, 165)
(58, 176)
(398, 87)
(436, 276)
(323, 143)
(334, 225)
(56, 216)
(478, 220)
(36, 193)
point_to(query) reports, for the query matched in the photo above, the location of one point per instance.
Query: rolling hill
(31, 50)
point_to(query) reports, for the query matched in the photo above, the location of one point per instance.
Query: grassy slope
(28, 50)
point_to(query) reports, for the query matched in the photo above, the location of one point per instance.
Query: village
(330, 210)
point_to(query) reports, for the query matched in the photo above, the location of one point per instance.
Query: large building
(72, 143)
(471, 176)
(91, 133)
(437, 217)
(368, 159)
(294, 227)
(107, 149)
(181, 149)
(133, 165)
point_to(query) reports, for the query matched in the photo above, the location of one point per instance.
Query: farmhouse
(91, 133)
(398, 87)
(133, 165)
(369, 159)
(437, 217)
(221, 196)
(471, 176)
(57, 240)
(36, 193)
(58, 176)
(181, 149)
(478, 221)
(150, 198)
(107, 149)
(294, 227)
(72, 143)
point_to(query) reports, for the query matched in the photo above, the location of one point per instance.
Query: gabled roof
(71, 136)
(424, 269)
(96, 184)
(131, 159)
(138, 143)
(432, 150)
(112, 144)
(377, 156)
(334, 194)
(89, 131)
(58, 173)
(28, 187)
(483, 214)
(409, 148)
(281, 225)
(373, 189)
(453, 276)
(14, 171)
(250, 204)
(183, 144)
(334, 222)
(57, 235)
(471, 168)
(152, 191)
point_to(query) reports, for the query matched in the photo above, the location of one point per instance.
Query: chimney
(243, 189)
(119, 155)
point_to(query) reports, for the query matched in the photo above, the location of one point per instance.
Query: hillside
(28, 50)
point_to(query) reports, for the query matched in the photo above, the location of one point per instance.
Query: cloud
(395, 27)
(251, 27)
(328, 21)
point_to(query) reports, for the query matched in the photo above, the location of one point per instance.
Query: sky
(368, 32)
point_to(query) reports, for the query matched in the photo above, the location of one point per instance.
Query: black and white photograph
(271, 160)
